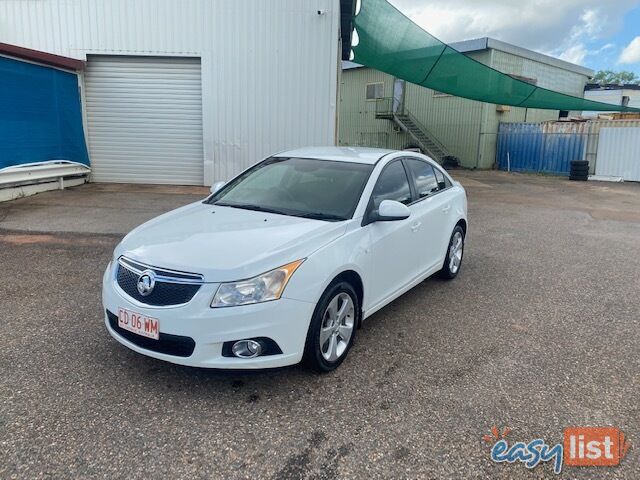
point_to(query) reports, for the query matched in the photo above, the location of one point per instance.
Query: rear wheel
(333, 328)
(455, 252)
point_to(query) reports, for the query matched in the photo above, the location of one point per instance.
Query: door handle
(416, 226)
(446, 209)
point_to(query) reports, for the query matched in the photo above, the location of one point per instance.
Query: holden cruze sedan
(284, 262)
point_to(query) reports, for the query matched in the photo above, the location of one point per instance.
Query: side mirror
(391, 211)
(217, 186)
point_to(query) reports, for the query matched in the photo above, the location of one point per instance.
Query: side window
(374, 91)
(443, 182)
(392, 184)
(424, 177)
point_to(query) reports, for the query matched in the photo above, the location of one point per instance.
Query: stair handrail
(384, 105)
(424, 129)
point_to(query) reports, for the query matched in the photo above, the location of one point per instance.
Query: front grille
(175, 345)
(171, 288)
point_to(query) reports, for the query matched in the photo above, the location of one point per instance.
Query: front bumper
(285, 321)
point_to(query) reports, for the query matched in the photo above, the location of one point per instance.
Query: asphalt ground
(539, 332)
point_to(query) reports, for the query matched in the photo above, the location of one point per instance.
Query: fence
(550, 147)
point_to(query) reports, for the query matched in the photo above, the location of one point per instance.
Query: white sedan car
(285, 261)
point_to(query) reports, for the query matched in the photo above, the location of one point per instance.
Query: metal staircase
(427, 142)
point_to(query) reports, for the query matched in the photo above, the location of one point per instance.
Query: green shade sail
(388, 41)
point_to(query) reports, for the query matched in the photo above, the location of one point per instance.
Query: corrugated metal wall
(269, 69)
(454, 121)
(469, 129)
(358, 123)
(619, 153)
(550, 147)
(546, 76)
(530, 147)
(144, 119)
(593, 136)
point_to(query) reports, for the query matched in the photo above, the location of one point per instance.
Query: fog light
(247, 349)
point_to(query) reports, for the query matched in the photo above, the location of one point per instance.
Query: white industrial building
(625, 95)
(193, 91)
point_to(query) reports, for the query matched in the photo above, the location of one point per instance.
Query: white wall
(269, 68)
(618, 153)
(612, 96)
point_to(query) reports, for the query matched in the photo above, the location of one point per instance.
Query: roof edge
(44, 58)
(596, 87)
(541, 57)
(484, 43)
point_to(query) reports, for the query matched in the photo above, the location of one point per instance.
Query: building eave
(491, 43)
(43, 58)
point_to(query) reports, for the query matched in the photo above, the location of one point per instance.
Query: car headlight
(263, 288)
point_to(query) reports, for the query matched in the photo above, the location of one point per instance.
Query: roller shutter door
(144, 119)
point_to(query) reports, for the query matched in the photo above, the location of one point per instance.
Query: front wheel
(453, 261)
(333, 328)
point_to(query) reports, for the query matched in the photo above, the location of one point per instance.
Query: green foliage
(609, 77)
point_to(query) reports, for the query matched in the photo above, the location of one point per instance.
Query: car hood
(224, 243)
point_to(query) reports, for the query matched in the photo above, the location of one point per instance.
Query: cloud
(631, 54)
(574, 54)
(592, 22)
(579, 52)
(559, 27)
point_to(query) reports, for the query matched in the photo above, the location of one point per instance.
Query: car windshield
(302, 187)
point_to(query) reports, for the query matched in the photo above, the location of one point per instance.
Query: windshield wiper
(248, 206)
(322, 216)
(259, 208)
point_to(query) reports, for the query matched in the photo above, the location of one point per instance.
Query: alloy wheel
(455, 252)
(337, 327)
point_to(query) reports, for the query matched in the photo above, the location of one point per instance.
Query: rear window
(424, 177)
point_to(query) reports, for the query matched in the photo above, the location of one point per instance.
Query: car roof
(343, 154)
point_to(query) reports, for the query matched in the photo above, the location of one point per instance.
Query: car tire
(579, 173)
(579, 178)
(451, 267)
(579, 163)
(325, 347)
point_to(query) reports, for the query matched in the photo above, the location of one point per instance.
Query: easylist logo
(582, 447)
(594, 446)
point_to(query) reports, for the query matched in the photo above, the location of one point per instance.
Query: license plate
(139, 324)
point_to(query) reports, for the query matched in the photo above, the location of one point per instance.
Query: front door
(391, 264)
(398, 95)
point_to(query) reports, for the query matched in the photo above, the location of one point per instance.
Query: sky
(599, 34)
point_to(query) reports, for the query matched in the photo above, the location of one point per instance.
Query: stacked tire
(579, 170)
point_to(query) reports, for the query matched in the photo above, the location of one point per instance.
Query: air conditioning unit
(397, 129)
(503, 108)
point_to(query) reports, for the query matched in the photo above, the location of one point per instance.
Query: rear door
(432, 210)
